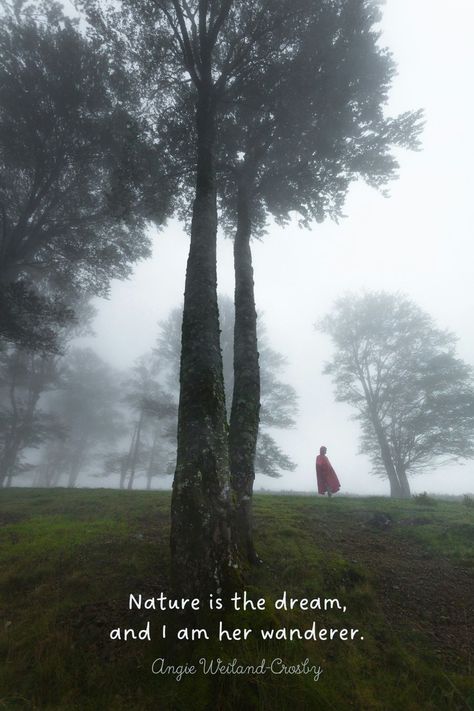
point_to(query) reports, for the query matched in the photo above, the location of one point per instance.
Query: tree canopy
(319, 124)
(413, 396)
(75, 164)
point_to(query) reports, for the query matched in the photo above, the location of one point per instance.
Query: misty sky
(418, 241)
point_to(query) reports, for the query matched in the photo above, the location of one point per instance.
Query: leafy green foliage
(31, 319)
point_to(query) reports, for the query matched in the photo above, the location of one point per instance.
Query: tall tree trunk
(395, 488)
(405, 492)
(200, 527)
(244, 418)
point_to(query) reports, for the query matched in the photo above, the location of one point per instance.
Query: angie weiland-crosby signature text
(218, 666)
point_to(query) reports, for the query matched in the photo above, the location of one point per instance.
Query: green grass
(69, 559)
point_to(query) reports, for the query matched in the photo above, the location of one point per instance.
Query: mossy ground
(69, 559)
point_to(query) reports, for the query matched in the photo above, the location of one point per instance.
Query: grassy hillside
(404, 571)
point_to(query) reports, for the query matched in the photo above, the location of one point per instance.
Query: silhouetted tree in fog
(75, 166)
(24, 377)
(86, 403)
(414, 398)
(27, 375)
(153, 409)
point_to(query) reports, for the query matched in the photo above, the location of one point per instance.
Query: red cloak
(326, 476)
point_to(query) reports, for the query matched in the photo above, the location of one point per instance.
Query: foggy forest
(234, 263)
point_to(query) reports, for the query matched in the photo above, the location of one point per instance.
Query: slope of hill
(396, 576)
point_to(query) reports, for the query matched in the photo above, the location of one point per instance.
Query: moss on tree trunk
(200, 527)
(244, 419)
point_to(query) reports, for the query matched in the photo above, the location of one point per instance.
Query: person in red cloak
(325, 474)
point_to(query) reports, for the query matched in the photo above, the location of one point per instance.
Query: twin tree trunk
(200, 508)
(244, 418)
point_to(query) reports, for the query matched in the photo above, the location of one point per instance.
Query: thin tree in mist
(28, 377)
(24, 377)
(153, 407)
(86, 403)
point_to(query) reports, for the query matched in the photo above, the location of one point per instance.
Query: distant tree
(153, 408)
(414, 398)
(24, 377)
(278, 408)
(28, 376)
(279, 399)
(87, 403)
(75, 166)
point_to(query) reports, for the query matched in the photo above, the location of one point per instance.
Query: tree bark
(395, 487)
(200, 527)
(244, 418)
(405, 492)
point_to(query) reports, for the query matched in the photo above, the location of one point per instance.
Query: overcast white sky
(418, 241)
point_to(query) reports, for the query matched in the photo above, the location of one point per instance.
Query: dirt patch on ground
(417, 590)
(7, 518)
